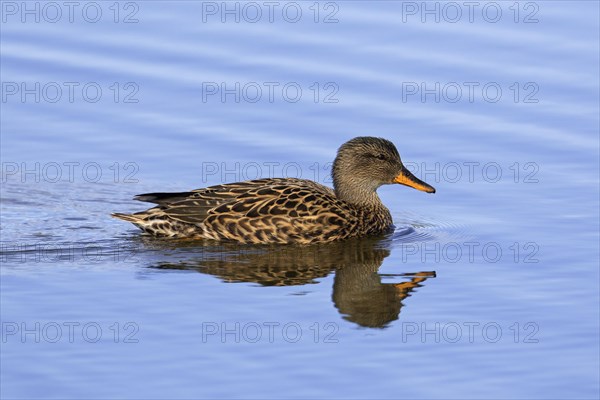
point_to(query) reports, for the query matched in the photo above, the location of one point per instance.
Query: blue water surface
(487, 289)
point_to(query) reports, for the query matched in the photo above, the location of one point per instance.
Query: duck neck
(355, 193)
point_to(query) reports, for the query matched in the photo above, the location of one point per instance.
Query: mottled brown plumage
(286, 210)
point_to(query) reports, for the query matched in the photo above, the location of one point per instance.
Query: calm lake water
(487, 289)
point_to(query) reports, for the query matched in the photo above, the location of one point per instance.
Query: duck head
(363, 164)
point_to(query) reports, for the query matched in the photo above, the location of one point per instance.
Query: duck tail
(127, 217)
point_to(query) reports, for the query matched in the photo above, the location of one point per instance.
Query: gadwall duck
(287, 210)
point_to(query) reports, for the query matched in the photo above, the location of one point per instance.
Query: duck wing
(216, 194)
(268, 210)
(193, 206)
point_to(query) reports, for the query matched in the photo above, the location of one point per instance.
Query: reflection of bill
(358, 292)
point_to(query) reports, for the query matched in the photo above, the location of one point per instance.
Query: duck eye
(380, 157)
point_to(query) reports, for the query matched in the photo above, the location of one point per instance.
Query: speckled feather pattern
(278, 210)
(287, 210)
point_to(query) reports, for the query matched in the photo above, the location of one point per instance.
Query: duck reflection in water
(358, 292)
